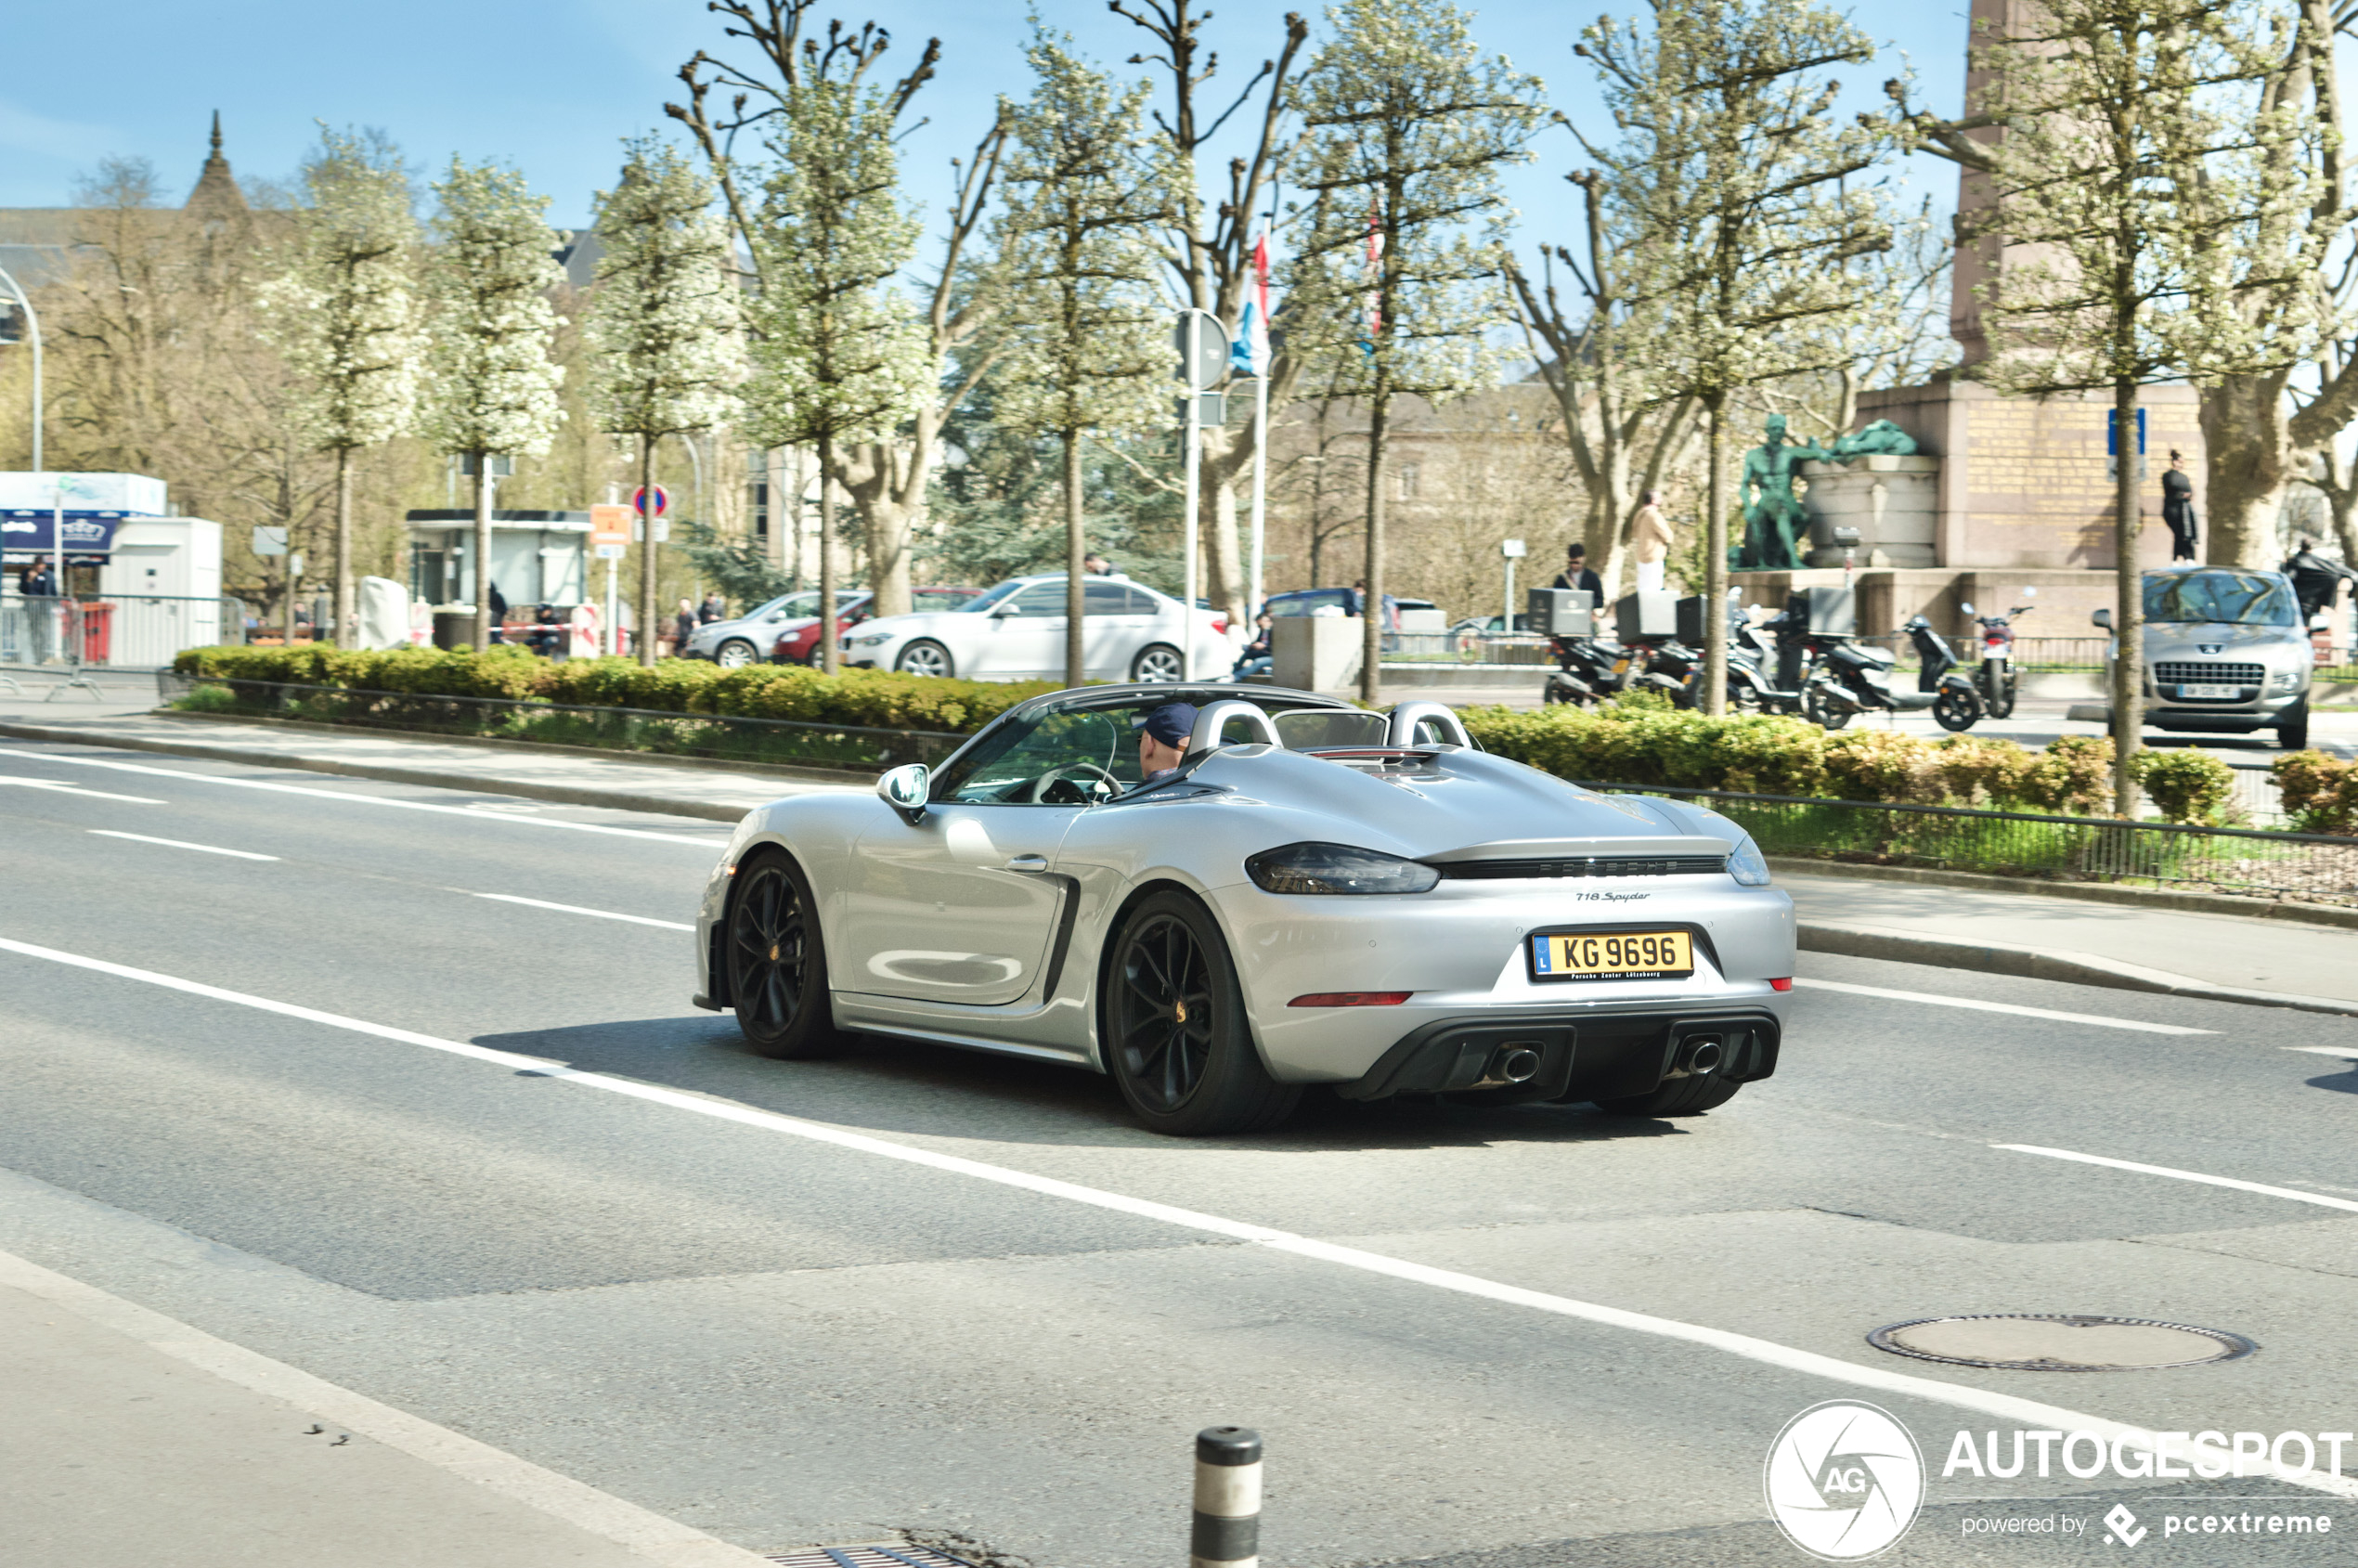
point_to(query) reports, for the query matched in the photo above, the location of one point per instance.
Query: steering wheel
(1039, 792)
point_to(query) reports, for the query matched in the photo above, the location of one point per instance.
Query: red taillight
(1785, 984)
(1993, 642)
(1356, 998)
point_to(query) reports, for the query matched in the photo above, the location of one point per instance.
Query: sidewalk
(2042, 936)
(2215, 953)
(124, 1446)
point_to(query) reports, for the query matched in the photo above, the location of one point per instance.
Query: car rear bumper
(1604, 1054)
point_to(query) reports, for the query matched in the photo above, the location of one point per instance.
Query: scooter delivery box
(1646, 615)
(1691, 622)
(1826, 612)
(1561, 612)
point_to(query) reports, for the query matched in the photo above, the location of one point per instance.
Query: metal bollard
(1228, 1520)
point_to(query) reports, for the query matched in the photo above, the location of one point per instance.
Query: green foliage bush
(2187, 786)
(2320, 791)
(870, 698)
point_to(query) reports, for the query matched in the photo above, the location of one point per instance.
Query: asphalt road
(784, 1340)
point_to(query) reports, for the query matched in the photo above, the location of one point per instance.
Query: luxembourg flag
(1249, 356)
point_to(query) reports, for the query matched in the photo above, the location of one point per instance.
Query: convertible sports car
(1316, 894)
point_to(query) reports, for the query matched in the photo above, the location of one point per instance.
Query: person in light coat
(1650, 539)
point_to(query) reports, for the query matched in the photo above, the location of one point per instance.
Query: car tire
(735, 654)
(777, 962)
(2293, 733)
(924, 656)
(1187, 1072)
(1691, 1095)
(1158, 664)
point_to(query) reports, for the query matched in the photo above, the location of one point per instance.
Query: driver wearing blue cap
(1162, 739)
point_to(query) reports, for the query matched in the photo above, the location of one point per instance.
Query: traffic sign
(609, 525)
(639, 501)
(1201, 340)
(270, 540)
(610, 552)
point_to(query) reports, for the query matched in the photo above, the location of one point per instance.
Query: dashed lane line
(1976, 1004)
(2022, 1412)
(2175, 1174)
(74, 789)
(576, 909)
(468, 812)
(180, 844)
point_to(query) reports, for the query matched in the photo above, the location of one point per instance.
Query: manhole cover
(2058, 1343)
(872, 1556)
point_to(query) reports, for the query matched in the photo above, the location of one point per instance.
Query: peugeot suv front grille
(2187, 673)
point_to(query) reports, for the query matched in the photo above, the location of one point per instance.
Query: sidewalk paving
(2027, 932)
(120, 1446)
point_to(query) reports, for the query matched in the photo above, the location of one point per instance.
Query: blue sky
(553, 86)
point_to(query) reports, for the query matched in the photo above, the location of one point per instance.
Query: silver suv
(2226, 653)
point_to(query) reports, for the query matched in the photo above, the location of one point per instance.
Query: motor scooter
(1852, 677)
(1588, 669)
(1996, 678)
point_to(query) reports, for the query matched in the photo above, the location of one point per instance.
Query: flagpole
(1260, 496)
(1187, 513)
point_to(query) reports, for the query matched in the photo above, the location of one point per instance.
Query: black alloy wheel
(1956, 707)
(777, 965)
(1175, 1033)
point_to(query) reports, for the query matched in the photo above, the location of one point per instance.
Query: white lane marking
(1980, 1007)
(467, 811)
(2022, 1412)
(2346, 1053)
(661, 1540)
(74, 789)
(182, 844)
(2262, 1187)
(576, 909)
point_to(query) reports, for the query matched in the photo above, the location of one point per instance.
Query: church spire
(216, 195)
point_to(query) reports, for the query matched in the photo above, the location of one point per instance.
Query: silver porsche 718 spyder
(1312, 894)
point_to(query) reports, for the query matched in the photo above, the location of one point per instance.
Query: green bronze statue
(1774, 522)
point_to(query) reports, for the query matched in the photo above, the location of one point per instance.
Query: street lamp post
(32, 324)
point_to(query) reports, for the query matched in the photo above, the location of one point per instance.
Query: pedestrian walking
(1649, 540)
(2314, 580)
(714, 608)
(2178, 507)
(39, 583)
(684, 625)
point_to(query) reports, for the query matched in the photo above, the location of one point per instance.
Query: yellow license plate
(1611, 956)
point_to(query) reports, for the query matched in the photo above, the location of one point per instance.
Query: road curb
(2085, 892)
(2043, 963)
(436, 778)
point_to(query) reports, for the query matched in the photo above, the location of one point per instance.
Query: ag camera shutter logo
(1843, 1481)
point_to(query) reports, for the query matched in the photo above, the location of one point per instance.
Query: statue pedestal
(1893, 503)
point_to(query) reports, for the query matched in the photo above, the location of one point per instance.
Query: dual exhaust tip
(1697, 1056)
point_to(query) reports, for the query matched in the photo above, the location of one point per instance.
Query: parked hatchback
(2225, 654)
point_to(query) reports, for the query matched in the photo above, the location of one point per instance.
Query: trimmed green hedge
(1650, 742)
(875, 699)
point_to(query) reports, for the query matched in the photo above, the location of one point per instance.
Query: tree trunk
(648, 621)
(1229, 588)
(830, 655)
(2248, 458)
(1371, 600)
(2129, 602)
(1075, 546)
(482, 552)
(344, 548)
(1715, 569)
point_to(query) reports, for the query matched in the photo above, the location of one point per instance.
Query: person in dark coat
(1577, 575)
(2178, 507)
(2314, 578)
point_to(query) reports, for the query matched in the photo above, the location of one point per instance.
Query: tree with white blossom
(664, 321)
(346, 315)
(492, 385)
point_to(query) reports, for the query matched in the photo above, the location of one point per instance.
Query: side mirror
(2102, 617)
(1004, 610)
(903, 789)
(1966, 606)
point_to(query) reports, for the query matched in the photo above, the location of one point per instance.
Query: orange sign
(610, 524)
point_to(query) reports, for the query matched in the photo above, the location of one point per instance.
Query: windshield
(2228, 598)
(992, 595)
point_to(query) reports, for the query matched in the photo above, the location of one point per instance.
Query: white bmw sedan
(1017, 632)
